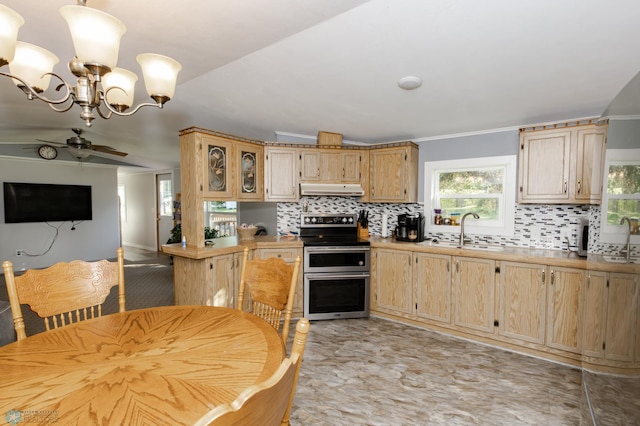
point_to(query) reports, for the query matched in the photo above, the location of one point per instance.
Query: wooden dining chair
(267, 403)
(272, 287)
(65, 292)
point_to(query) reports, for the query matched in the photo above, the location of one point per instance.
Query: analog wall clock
(47, 152)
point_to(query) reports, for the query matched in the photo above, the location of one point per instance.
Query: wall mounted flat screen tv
(42, 202)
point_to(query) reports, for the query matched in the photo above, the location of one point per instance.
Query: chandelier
(99, 83)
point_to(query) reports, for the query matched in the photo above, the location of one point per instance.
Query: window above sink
(484, 185)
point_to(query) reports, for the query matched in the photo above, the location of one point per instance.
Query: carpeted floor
(148, 282)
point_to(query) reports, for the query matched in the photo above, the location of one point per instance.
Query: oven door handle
(336, 248)
(337, 275)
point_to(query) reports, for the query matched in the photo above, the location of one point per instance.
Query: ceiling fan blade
(64, 145)
(108, 150)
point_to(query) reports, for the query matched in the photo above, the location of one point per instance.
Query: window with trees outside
(621, 195)
(486, 186)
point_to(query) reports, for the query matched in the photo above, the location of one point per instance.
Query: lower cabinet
(564, 310)
(392, 276)
(621, 336)
(595, 313)
(209, 281)
(214, 281)
(522, 296)
(579, 315)
(611, 329)
(473, 293)
(432, 274)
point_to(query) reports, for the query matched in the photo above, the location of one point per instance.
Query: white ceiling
(252, 68)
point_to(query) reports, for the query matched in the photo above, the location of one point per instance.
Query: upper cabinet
(281, 174)
(216, 167)
(218, 162)
(393, 174)
(331, 165)
(250, 171)
(221, 167)
(232, 169)
(562, 165)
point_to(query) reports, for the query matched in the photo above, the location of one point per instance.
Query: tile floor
(378, 372)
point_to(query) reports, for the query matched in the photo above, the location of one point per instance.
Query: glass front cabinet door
(218, 158)
(250, 172)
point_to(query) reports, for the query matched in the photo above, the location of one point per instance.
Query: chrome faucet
(628, 253)
(462, 240)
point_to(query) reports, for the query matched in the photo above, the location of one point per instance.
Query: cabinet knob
(579, 186)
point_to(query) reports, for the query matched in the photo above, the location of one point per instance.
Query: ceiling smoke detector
(410, 82)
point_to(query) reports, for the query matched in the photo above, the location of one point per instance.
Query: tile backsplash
(536, 226)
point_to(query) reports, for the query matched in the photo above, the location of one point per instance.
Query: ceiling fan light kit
(96, 40)
(409, 82)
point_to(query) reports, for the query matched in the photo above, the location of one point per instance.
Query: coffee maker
(410, 227)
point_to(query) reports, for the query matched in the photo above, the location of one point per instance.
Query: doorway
(164, 208)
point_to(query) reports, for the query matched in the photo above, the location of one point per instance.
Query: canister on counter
(437, 216)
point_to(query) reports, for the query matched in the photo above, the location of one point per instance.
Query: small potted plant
(176, 234)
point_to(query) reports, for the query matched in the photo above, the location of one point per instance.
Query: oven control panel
(333, 220)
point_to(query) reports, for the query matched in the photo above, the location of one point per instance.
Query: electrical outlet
(19, 252)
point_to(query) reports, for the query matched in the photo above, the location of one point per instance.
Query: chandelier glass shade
(99, 83)
(123, 82)
(34, 64)
(10, 23)
(95, 34)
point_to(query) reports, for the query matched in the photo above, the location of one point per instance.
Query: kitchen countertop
(560, 258)
(229, 245)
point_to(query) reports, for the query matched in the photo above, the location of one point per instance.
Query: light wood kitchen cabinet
(310, 165)
(330, 165)
(562, 313)
(218, 164)
(281, 174)
(248, 172)
(522, 299)
(432, 274)
(562, 165)
(233, 170)
(590, 155)
(594, 314)
(564, 309)
(209, 281)
(393, 174)
(622, 317)
(474, 293)
(352, 161)
(392, 275)
(289, 256)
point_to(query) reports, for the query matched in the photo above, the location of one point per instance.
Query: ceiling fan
(82, 148)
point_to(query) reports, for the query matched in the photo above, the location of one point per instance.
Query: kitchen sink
(439, 244)
(465, 247)
(482, 247)
(619, 259)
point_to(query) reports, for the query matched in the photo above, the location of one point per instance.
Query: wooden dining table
(161, 366)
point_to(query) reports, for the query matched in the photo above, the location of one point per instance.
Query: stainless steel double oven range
(336, 267)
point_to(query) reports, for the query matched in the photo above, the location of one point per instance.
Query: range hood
(340, 189)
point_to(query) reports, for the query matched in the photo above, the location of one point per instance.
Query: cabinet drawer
(287, 254)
